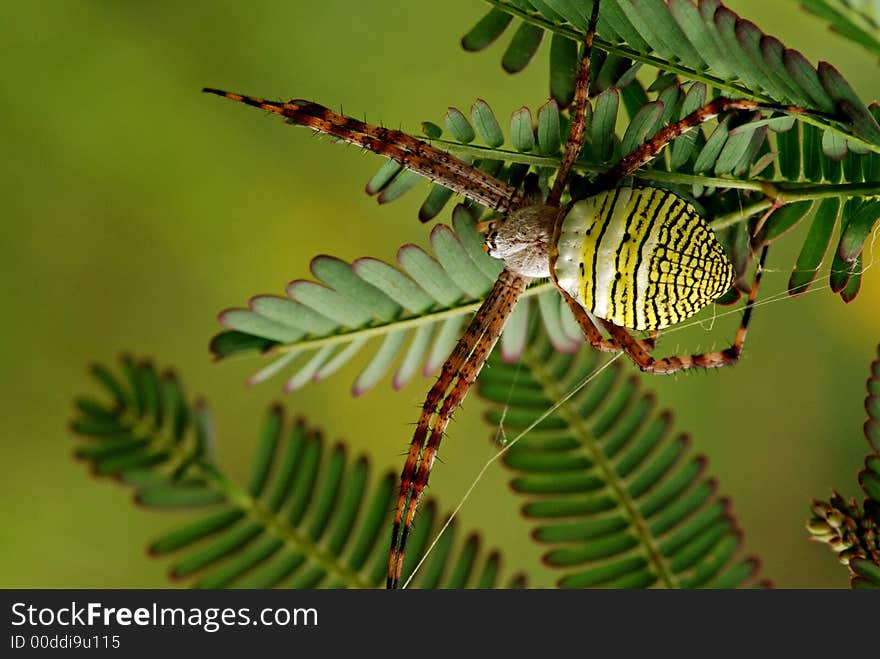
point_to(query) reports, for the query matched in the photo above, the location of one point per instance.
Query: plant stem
(787, 196)
(795, 190)
(408, 323)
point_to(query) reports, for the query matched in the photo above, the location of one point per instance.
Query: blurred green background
(136, 208)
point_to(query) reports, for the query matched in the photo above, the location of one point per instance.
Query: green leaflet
(782, 221)
(513, 340)
(691, 23)
(399, 287)
(653, 20)
(430, 130)
(434, 203)
(551, 315)
(486, 124)
(840, 91)
(549, 140)
(340, 275)
(713, 148)
(866, 574)
(331, 532)
(521, 133)
(381, 362)
(602, 127)
(643, 125)
(670, 98)
(815, 246)
(854, 285)
(858, 229)
(564, 65)
(402, 183)
(525, 43)
(386, 173)
(807, 78)
(457, 124)
(487, 30)
(430, 274)
(456, 261)
(178, 496)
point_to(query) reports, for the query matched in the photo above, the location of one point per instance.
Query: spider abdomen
(642, 258)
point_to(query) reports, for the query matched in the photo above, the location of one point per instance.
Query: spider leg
(727, 357)
(646, 152)
(414, 154)
(579, 115)
(592, 333)
(457, 375)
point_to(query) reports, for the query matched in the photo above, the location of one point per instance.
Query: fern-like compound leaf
(309, 516)
(706, 43)
(147, 425)
(616, 495)
(410, 315)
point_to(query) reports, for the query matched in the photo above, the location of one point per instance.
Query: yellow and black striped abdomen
(642, 258)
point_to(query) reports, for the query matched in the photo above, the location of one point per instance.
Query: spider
(624, 258)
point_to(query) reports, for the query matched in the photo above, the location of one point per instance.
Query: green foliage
(720, 52)
(741, 157)
(853, 531)
(418, 309)
(322, 324)
(788, 156)
(309, 517)
(812, 172)
(706, 43)
(617, 496)
(611, 490)
(614, 494)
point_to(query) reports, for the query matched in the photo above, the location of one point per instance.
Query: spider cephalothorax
(524, 239)
(623, 258)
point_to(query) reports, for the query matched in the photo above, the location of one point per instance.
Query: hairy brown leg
(579, 114)
(674, 364)
(458, 374)
(573, 147)
(591, 332)
(646, 152)
(417, 156)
